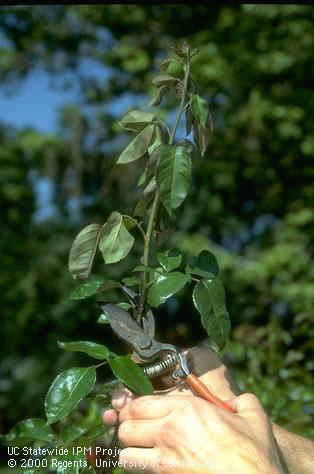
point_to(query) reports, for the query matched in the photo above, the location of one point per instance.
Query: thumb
(247, 402)
(121, 396)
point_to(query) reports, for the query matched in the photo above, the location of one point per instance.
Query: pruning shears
(147, 349)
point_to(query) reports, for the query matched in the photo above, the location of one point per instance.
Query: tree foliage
(250, 200)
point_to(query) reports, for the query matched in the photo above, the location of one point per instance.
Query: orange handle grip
(203, 391)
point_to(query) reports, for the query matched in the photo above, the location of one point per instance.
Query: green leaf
(91, 287)
(142, 179)
(209, 300)
(124, 305)
(98, 351)
(138, 146)
(131, 375)
(70, 433)
(170, 259)
(115, 242)
(131, 281)
(95, 431)
(146, 268)
(165, 286)
(173, 175)
(200, 110)
(204, 265)
(136, 120)
(103, 319)
(67, 390)
(83, 251)
(70, 463)
(32, 429)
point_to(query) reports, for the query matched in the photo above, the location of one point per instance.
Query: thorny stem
(154, 209)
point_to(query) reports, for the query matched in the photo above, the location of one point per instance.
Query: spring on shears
(160, 367)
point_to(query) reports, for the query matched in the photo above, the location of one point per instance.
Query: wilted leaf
(138, 146)
(115, 242)
(97, 351)
(33, 429)
(199, 137)
(173, 175)
(179, 89)
(67, 390)
(164, 225)
(202, 137)
(136, 120)
(146, 198)
(200, 110)
(183, 49)
(131, 375)
(129, 222)
(83, 251)
(187, 143)
(163, 79)
(188, 120)
(91, 287)
(166, 63)
(204, 265)
(166, 286)
(156, 100)
(209, 300)
(170, 259)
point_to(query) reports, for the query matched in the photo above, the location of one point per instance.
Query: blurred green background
(251, 200)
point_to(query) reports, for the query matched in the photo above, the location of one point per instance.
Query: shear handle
(203, 391)
(198, 385)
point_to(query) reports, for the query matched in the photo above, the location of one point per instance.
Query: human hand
(187, 435)
(204, 362)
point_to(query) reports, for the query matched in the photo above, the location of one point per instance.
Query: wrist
(296, 452)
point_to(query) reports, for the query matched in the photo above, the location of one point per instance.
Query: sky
(35, 102)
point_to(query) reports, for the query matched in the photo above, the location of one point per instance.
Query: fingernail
(120, 401)
(129, 398)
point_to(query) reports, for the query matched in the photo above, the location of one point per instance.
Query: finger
(121, 397)
(139, 459)
(247, 402)
(149, 407)
(139, 433)
(110, 417)
(207, 365)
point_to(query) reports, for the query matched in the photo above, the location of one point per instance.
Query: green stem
(101, 364)
(154, 209)
(147, 238)
(181, 107)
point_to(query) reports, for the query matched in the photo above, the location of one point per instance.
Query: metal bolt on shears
(147, 349)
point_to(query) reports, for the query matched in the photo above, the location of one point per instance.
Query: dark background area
(251, 201)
